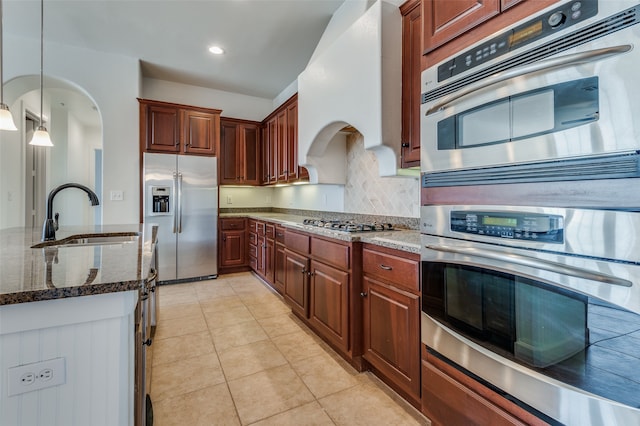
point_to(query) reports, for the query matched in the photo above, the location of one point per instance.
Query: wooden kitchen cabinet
(233, 246)
(451, 26)
(280, 145)
(239, 152)
(279, 260)
(322, 286)
(391, 296)
(179, 129)
(450, 397)
(412, 65)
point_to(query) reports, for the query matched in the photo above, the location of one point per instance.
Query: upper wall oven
(557, 89)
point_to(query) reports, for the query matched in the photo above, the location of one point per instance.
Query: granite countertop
(55, 272)
(401, 239)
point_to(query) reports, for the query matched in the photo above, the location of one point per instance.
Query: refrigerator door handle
(179, 203)
(176, 202)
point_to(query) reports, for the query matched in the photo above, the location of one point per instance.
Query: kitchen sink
(91, 240)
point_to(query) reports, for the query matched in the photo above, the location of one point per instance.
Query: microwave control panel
(544, 25)
(543, 228)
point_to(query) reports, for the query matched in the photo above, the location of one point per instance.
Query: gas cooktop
(349, 225)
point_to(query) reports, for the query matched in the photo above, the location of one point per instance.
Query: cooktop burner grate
(349, 225)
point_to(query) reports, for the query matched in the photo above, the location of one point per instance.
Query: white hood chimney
(355, 81)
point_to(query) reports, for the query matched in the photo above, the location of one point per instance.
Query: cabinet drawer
(331, 252)
(260, 228)
(399, 271)
(253, 250)
(232, 224)
(297, 242)
(280, 234)
(270, 230)
(252, 225)
(253, 238)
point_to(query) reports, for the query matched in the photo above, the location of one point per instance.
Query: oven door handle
(534, 263)
(562, 61)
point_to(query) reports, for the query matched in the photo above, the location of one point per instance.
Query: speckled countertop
(400, 239)
(54, 272)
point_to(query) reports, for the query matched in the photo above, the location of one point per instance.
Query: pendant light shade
(6, 119)
(41, 136)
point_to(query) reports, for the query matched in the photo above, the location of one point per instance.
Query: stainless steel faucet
(50, 225)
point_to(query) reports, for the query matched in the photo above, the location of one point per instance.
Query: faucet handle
(55, 223)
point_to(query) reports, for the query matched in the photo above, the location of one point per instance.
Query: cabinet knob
(405, 144)
(385, 267)
(364, 294)
(304, 271)
(309, 273)
(147, 342)
(224, 238)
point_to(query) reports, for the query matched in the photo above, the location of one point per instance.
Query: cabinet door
(282, 147)
(199, 132)
(271, 154)
(411, 70)
(329, 306)
(229, 153)
(293, 171)
(234, 248)
(269, 260)
(445, 19)
(251, 154)
(261, 255)
(279, 269)
(162, 128)
(392, 334)
(296, 282)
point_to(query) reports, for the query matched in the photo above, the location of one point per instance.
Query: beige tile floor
(229, 352)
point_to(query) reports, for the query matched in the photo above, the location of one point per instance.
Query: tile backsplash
(367, 192)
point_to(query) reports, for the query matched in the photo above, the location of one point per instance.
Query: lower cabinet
(279, 260)
(320, 288)
(232, 241)
(391, 296)
(450, 397)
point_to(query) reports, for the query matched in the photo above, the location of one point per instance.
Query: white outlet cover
(36, 376)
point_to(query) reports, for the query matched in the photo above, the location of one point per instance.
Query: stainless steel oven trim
(567, 404)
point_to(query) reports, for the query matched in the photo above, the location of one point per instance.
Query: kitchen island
(73, 303)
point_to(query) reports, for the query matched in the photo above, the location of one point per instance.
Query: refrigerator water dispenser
(160, 200)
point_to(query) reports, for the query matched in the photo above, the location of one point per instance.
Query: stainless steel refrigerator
(181, 196)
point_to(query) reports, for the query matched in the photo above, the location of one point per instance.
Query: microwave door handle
(534, 263)
(562, 61)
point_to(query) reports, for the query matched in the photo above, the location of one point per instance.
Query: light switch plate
(117, 195)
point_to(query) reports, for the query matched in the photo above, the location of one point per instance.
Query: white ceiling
(267, 42)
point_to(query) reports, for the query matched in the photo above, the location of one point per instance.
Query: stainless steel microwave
(553, 97)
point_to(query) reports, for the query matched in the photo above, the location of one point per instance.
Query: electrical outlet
(36, 376)
(117, 195)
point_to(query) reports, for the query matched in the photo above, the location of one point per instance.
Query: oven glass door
(565, 335)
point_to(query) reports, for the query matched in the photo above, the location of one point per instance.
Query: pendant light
(6, 119)
(41, 136)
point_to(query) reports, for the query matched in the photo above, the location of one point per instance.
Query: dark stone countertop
(401, 239)
(54, 272)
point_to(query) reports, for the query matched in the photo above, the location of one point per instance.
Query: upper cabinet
(411, 68)
(239, 152)
(280, 145)
(456, 24)
(179, 129)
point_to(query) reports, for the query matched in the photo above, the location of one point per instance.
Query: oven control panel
(544, 228)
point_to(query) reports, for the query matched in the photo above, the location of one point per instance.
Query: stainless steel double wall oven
(541, 303)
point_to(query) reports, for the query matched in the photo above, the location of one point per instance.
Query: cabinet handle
(364, 294)
(279, 234)
(309, 273)
(224, 238)
(405, 144)
(147, 342)
(304, 271)
(385, 267)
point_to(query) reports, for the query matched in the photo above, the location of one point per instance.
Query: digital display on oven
(499, 221)
(525, 34)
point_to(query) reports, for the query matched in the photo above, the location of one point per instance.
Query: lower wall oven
(542, 303)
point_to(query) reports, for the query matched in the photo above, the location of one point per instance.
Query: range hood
(355, 82)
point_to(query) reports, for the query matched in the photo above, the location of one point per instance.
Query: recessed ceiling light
(216, 50)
